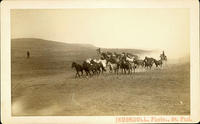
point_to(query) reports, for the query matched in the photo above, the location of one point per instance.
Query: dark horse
(139, 62)
(78, 68)
(158, 62)
(87, 67)
(98, 66)
(148, 62)
(125, 66)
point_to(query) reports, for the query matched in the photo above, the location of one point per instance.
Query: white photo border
(6, 6)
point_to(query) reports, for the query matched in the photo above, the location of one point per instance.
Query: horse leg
(102, 70)
(146, 67)
(96, 71)
(110, 69)
(93, 72)
(86, 73)
(130, 71)
(90, 73)
(99, 71)
(78, 74)
(122, 71)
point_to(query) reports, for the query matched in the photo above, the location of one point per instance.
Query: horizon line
(144, 49)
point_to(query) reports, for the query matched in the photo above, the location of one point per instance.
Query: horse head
(73, 64)
(145, 59)
(92, 61)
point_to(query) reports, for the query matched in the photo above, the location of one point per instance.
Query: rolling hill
(52, 55)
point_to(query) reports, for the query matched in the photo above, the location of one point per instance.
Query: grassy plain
(44, 84)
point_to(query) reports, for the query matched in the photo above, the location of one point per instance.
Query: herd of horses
(126, 63)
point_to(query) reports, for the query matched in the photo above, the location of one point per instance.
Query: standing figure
(28, 54)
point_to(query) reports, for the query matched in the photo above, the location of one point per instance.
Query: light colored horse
(103, 61)
(88, 60)
(130, 59)
(113, 67)
(133, 66)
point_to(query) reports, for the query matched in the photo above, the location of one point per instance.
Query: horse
(148, 62)
(102, 61)
(113, 67)
(113, 59)
(78, 68)
(158, 62)
(139, 62)
(87, 67)
(125, 65)
(130, 59)
(98, 66)
(133, 66)
(104, 56)
(131, 62)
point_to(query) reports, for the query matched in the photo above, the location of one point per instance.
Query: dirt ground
(45, 85)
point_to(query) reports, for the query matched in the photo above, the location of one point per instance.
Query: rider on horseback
(163, 56)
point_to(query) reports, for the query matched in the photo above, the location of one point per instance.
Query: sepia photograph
(92, 62)
(124, 61)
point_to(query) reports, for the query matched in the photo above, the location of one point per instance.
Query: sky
(141, 28)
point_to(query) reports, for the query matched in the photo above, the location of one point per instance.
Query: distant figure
(163, 53)
(163, 57)
(28, 54)
(98, 51)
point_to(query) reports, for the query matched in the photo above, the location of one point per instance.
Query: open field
(45, 84)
